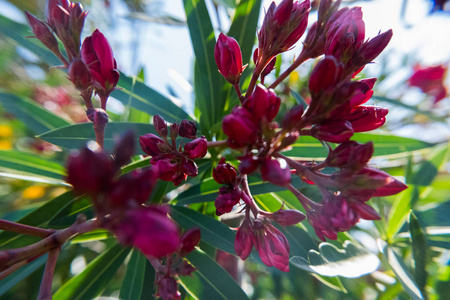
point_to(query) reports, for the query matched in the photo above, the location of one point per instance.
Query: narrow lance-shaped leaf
(210, 281)
(419, 251)
(208, 83)
(134, 277)
(402, 273)
(213, 232)
(89, 283)
(34, 116)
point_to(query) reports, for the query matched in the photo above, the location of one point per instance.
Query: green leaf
(402, 273)
(78, 135)
(414, 109)
(134, 277)
(208, 83)
(210, 281)
(426, 172)
(213, 232)
(29, 164)
(34, 116)
(351, 262)
(386, 146)
(209, 189)
(89, 283)
(419, 251)
(243, 27)
(19, 33)
(299, 99)
(19, 275)
(134, 93)
(91, 236)
(400, 209)
(332, 282)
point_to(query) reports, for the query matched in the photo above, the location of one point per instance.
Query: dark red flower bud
(350, 155)
(365, 211)
(224, 173)
(334, 131)
(272, 171)
(240, 127)
(228, 197)
(42, 33)
(373, 47)
(287, 217)
(189, 167)
(189, 240)
(79, 74)
(243, 242)
(263, 102)
(160, 125)
(292, 117)
(367, 118)
(197, 148)
(185, 268)
(283, 26)
(97, 54)
(148, 229)
(151, 144)
(169, 168)
(174, 127)
(325, 75)
(288, 140)
(271, 244)
(133, 188)
(249, 164)
(90, 172)
(124, 148)
(228, 56)
(363, 92)
(187, 129)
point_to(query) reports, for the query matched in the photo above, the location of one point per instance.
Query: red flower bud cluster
(91, 66)
(283, 25)
(121, 198)
(430, 80)
(230, 194)
(175, 265)
(172, 163)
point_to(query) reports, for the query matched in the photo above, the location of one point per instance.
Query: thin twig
(25, 229)
(45, 290)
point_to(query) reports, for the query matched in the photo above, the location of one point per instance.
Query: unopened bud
(151, 144)
(187, 129)
(79, 74)
(292, 117)
(124, 148)
(42, 33)
(189, 240)
(197, 148)
(160, 125)
(334, 131)
(288, 217)
(272, 171)
(224, 173)
(228, 56)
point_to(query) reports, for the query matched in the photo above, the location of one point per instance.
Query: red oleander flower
(430, 80)
(228, 56)
(97, 54)
(187, 129)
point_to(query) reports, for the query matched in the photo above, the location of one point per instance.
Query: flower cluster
(174, 164)
(430, 80)
(335, 112)
(90, 66)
